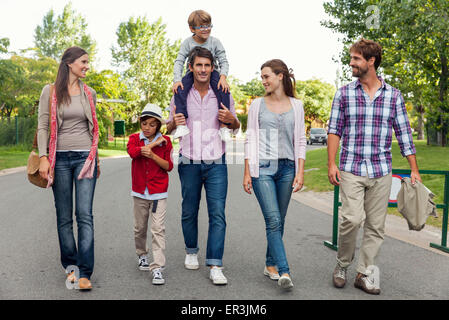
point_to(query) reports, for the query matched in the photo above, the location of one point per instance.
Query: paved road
(30, 268)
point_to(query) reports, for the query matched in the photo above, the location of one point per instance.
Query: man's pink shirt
(203, 141)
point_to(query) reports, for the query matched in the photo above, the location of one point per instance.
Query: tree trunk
(419, 109)
(420, 128)
(443, 91)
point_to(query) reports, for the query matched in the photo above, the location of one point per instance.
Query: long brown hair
(288, 81)
(62, 79)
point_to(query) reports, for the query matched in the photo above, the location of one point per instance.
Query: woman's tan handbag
(34, 160)
(33, 170)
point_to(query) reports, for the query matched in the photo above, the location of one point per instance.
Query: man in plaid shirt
(364, 115)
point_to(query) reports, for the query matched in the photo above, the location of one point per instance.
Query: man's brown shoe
(364, 283)
(339, 276)
(84, 284)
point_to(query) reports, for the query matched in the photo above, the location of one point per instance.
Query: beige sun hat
(152, 110)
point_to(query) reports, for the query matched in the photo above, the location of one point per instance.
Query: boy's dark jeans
(187, 82)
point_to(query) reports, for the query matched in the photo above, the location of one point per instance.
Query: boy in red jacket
(151, 161)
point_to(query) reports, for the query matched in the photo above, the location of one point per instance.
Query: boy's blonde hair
(199, 17)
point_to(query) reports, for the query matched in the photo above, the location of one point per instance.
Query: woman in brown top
(71, 160)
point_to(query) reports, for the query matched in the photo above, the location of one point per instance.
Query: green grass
(17, 156)
(105, 153)
(428, 157)
(13, 156)
(119, 144)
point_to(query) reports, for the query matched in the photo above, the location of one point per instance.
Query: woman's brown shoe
(84, 284)
(272, 275)
(71, 277)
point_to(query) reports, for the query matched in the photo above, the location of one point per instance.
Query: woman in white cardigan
(275, 149)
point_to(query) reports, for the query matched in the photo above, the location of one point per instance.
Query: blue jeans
(273, 190)
(67, 168)
(214, 177)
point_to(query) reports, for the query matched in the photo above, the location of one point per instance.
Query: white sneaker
(285, 282)
(157, 276)
(181, 131)
(191, 262)
(217, 276)
(143, 263)
(225, 134)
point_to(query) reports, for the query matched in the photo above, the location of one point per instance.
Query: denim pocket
(291, 163)
(268, 167)
(264, 163)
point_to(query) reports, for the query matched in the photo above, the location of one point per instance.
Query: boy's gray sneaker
(339, 276)
(158, 279)
(143, 263)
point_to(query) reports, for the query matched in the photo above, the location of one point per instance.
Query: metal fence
(445, 206)
(434, 137)
(17, 130)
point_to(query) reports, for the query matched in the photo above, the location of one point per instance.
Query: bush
(243, 118)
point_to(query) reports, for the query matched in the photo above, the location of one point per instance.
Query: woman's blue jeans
(273, 190)
(67, 168)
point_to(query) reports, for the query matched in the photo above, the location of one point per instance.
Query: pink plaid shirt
(203, 141)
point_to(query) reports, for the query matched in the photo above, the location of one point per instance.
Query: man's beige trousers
(363, 200)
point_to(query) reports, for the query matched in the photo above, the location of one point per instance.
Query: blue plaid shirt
(366, 127)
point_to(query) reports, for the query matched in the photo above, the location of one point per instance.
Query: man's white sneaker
(181, 131)
(217, 276)
(143, 263)
(191, 262)
(285, 282)
(157, 277)
(225, 134)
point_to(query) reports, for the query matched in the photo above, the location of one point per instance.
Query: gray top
(276, 134)
(212, 44)
(74, 131)
(44, 113)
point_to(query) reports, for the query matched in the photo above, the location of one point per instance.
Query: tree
(415, 38)
(21, 83)
(4, 44)
(317, 99)
(109, 86)
(56, 34)
(253, 88)
(147, 58)
(239, 96)
(38, 72)
(12, 82)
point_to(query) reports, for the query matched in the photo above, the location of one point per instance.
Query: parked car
(317, 135)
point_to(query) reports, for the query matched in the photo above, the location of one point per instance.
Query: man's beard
(359, 72)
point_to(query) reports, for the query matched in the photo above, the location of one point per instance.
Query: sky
(252, 31)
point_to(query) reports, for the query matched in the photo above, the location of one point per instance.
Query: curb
(8, 171)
